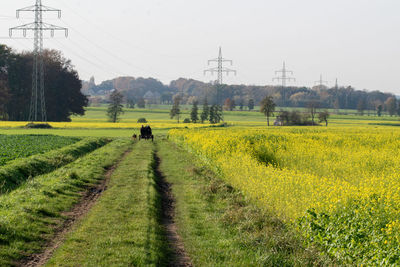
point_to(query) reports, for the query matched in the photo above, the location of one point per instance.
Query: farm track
(89, 198)
(180, 258)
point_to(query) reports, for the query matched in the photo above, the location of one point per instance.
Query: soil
(89, 198)
(180, 258)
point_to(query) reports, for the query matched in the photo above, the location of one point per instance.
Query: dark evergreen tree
(194, 114)
(251, 104)
(206, 112)
(212, 114)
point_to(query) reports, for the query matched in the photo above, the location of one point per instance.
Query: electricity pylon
(38, 27)
(220, 69)
(321, 82)
(284, 75)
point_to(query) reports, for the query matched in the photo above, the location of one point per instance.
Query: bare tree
(312, 107)
(176, 111)
(391, 105)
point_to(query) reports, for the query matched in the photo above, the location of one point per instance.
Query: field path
(180, 258)
(89, 198)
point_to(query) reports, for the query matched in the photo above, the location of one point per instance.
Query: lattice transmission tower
(38, 27)
(320, 82)
(220, 69)
(284, 75)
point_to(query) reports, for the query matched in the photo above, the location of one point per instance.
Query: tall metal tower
(321, 82)
(38, 27)
(284, 75)
(220, 69)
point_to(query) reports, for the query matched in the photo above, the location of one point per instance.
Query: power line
(220, 69)
(99, 66)
(38, 27)
(112, 54)
(284, 75)
(125, 42)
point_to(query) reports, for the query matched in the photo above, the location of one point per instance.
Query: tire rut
(88, 199)
(180, 258)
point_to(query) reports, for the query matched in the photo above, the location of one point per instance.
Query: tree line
(141, 92)
(62, 86)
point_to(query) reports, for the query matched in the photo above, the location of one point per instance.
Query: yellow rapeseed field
(300, 171)
(159, 124)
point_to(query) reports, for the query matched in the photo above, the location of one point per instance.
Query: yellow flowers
(291, 170)
(160, 124)
(339, 184)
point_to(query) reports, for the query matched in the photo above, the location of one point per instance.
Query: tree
(115, 108)
(4, 95)
(285, 117)
(212, 114)
(229, 104)
(336, 105)
(250, 105)
(379, 109)
(216, 114)
(130, 103)
(241, 104)
(175, 110)
(391, 105)
(194, 114)
(5, 54)
(312, 109)
(323, 117)
(361, 106)
(62, 87)
(206, 112)
(268, 107)
(141, 103)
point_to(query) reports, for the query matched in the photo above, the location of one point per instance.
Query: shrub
(187, 120)
(142, 120)
(38, 126)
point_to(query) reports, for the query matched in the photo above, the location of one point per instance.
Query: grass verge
(123, 228)
(30, 215)
(18, 171)
(219, 226)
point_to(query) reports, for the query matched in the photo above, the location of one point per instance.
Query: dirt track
(180, 258)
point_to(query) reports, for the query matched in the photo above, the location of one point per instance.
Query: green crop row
(18, 171)
(30, 214)
(21, 146)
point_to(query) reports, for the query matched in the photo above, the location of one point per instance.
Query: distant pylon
(38, 94)
(220, 69)
(284, 75)
(321, 82)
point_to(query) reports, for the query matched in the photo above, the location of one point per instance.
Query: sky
(354, 41)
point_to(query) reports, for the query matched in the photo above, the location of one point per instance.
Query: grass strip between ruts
(123, 228)
(29, 214)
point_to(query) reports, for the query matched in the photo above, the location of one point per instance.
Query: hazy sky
(356, 41)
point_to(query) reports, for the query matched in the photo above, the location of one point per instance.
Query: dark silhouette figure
(146, 133)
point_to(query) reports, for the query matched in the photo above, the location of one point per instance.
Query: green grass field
(97, 116)
(215, 224)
